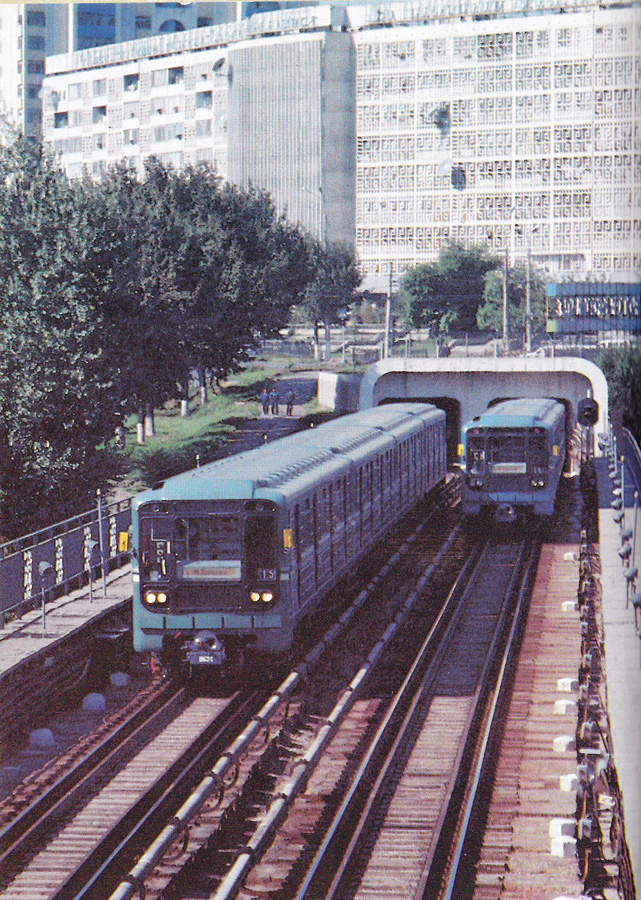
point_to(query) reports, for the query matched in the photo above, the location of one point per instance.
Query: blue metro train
(513, 457)
(229, 558)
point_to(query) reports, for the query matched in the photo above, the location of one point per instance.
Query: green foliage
(112, 293)
(622, 369)
(447, 293)
(55, 384)
(490, 313)
(334, 281)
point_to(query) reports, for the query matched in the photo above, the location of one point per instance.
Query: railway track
(276, 835)
(56, 847)
(416, 786)
(375, 827)
(64, 844)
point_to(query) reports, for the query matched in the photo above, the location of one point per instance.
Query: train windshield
(208, 548)
(539, 451)
(506, 453)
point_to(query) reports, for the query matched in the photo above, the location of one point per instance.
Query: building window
(130, 82)
(60, 119)
(99, 114)
(204, 22)
(100, 87)
(35, 42)
(175, 75)
(35, 67)
(204, 100)
(143, 23)
(34, 17)
(130, 136)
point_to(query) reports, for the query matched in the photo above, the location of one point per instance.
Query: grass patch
(181, 442)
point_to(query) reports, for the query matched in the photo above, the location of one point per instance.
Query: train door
(323, 535)
(297, 542)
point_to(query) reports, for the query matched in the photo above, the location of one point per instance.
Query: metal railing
(53, 560)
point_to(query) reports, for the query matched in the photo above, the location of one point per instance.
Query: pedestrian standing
(264, 399)
(290, 397)
(273, 401)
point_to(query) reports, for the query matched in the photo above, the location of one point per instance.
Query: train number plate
(206, 659)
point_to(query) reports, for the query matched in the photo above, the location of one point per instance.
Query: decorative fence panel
(57, 558)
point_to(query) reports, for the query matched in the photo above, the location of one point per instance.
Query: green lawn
(180, 441)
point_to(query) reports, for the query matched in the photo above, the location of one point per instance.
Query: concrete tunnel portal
(465, 387)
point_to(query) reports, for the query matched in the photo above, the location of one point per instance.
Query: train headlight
(156, 598)
(476, 483)
(537, 482)
(254, 596)
(267, 596)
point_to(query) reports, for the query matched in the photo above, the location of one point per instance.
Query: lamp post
(528, 296)
(388, 313)
(46, 571)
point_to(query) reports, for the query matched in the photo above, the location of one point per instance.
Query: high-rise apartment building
(29, 32)
(263, 108)
(400, 126)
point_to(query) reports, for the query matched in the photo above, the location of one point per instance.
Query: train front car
(513, 456)
(207, 574)
(230, 559)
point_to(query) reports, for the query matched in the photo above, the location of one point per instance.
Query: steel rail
(456, 596)
(34, 818)
(502, 686)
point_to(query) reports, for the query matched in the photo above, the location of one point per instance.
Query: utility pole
(388, 314)
(506, 336)
(528, 303)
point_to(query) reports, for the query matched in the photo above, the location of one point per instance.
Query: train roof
(297, 457)
(526, 412)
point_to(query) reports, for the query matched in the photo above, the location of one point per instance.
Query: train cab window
(207, 537)
(260, 548)
(475, 455)
(507, 453)
(538, 451)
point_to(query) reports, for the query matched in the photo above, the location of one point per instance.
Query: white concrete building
(271, 110)
(31, 31)
(395, 126)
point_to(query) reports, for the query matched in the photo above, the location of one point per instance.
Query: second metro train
(513, 456)
(229, 559)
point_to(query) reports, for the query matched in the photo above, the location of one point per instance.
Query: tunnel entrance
(452, 409)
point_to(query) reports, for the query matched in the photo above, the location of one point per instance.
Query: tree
(55, 386)
(333, 286)
(490, 312)
(448, 292)
(622, 369)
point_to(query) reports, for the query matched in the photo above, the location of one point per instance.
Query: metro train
(513, 457)
(230, 558)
